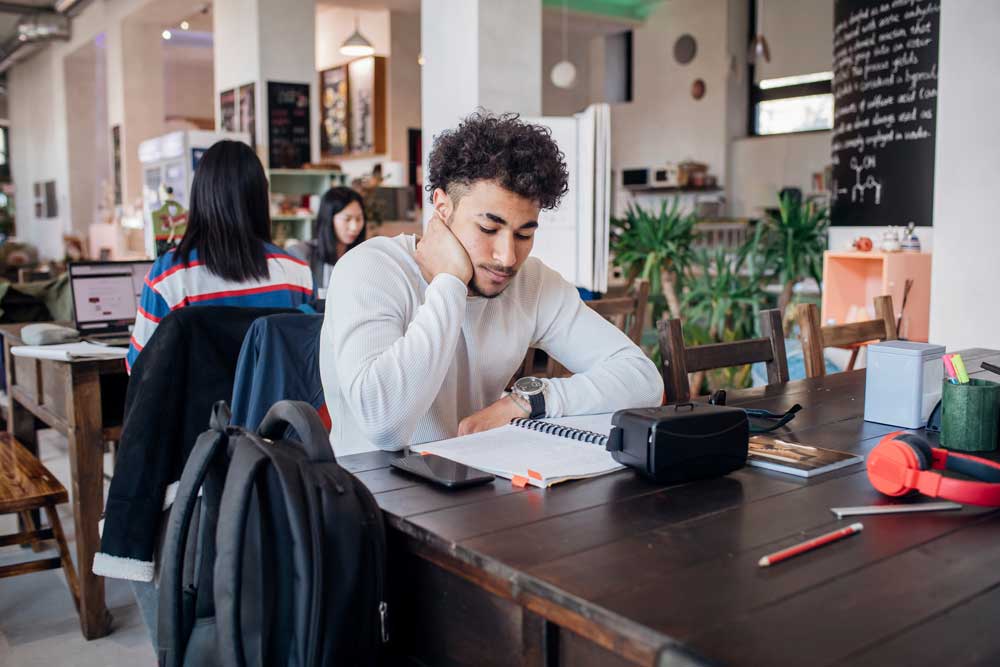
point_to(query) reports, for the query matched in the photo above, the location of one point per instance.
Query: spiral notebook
(540, 452)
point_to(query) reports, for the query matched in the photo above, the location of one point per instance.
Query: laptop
(105, 299)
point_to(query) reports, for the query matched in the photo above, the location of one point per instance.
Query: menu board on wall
(288, 124)
(885, 108)
(227, 111)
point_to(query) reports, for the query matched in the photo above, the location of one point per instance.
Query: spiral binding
(562, 431)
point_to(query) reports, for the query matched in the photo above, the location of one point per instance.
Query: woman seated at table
(226, 257)
(340, 225)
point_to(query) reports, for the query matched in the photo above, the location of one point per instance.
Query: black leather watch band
(537, 405)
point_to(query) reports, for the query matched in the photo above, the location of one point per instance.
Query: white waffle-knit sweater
(404, 361)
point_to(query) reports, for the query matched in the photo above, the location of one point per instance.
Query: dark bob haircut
(229, 221)
(521, 157)
(333, 202)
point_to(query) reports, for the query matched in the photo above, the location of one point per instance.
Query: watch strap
(537, 405)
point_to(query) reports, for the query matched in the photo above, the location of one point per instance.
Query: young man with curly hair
(421, 337)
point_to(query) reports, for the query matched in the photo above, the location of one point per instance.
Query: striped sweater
(171, 284)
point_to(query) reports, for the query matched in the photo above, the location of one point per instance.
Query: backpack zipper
(379, 542)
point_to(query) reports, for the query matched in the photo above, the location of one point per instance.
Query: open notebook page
(541, 459)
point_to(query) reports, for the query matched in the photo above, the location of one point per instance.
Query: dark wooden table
(618, 571)
(67, 396)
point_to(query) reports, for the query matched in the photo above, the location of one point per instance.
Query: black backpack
(282, 562)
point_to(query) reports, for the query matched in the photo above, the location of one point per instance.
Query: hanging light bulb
(356, 44)
(758, 45)
(563, 74)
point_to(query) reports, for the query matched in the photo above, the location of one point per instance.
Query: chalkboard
(885, 107)
(288, 124)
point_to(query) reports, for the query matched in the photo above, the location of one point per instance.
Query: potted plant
(724, 293)
(794, 242)
(655, 246)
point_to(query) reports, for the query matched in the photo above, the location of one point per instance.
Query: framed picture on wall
(366, 82)
(333, 112)
(248, 118)
(227, 111)
(116, 161)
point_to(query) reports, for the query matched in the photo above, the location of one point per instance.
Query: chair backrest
(677, 360)
(628, 313)
(815, 337)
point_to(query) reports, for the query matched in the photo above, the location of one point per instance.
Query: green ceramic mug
(970, 416)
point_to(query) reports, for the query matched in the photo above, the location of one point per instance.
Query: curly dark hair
(519, 156)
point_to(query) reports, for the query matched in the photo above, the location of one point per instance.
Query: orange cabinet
(852, 279)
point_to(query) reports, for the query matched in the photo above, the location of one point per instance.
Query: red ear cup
(891, 460)
(920, 447)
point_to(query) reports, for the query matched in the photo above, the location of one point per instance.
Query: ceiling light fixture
(356, 44)
(563, 74)
(166, 34)
(185, 25)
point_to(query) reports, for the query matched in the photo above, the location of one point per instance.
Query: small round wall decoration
(685, 49)
(698, 89)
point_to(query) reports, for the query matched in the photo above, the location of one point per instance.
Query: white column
(478, 53)
(257, 41)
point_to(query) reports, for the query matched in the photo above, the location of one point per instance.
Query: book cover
(795, 458)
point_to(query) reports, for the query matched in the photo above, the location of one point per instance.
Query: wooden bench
(26, 485)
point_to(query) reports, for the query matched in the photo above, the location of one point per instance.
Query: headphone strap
(969, 493)
(973, 466)
(985, 493)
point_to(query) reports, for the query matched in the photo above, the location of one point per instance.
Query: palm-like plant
(722, 297)
(656, 247)
(725, 292)
(794, 242)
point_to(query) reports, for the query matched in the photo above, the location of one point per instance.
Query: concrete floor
(39, 626)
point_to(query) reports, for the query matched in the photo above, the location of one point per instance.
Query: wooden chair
(26, 485)
(855, 335)
(678, 360)
(628, 313)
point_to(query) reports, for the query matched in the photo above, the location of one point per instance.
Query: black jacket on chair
(188, 365)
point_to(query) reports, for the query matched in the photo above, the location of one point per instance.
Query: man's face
(497, 229)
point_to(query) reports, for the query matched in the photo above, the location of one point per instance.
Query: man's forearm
(390, 391)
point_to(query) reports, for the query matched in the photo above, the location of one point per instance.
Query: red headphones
(902, 462)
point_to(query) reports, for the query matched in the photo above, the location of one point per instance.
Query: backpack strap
(174, 626)
(304, 419)
(229, 562)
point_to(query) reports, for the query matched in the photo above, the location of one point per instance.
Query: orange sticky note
(519, 482)
(534, 475)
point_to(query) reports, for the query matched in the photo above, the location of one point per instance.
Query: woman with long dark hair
(226, 257)
(340, 225)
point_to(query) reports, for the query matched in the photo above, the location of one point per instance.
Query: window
(792, 104)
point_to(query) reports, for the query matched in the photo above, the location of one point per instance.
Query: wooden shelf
(292, 218)
(305, 172)
(654, 189)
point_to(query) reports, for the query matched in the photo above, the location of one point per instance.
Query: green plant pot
(970, 416)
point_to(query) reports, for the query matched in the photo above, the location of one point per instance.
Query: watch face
(529, 386)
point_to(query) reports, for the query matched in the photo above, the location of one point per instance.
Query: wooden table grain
(619, 571)
(67, 396)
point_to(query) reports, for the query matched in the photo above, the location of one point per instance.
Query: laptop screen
(106, 294)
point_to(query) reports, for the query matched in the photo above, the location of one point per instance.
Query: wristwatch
(532, 391)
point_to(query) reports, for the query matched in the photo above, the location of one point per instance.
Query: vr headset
(687, 441)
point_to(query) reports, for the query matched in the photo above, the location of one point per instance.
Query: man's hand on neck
(439, 251)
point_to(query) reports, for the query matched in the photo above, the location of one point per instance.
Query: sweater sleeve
(610, 371)
(389, 372)
(152, 308)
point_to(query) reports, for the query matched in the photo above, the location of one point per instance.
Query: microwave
(663, 176)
